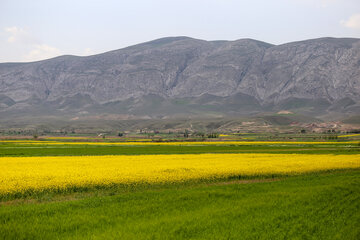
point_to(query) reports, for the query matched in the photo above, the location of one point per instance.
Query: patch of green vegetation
(14, 149)
(314, 206)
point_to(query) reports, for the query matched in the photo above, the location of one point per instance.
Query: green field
(18, 149)
(324, 206)
(317, 205)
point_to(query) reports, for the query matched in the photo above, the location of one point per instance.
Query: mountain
(181, 76)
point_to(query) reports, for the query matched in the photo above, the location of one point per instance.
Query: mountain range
(181, 76)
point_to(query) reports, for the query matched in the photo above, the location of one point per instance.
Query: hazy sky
(38, 29)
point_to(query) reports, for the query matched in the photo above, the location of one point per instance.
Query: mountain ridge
(316, 77)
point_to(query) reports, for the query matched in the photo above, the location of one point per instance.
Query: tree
(186, 133)
(213, 135)
(200, 134)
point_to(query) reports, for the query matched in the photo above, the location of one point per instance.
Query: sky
(32, 30)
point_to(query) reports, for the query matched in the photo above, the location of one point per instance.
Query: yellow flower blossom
(19, 174)
(177, 143)
(350, 135)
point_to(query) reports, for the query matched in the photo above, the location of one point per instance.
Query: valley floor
(179, 190)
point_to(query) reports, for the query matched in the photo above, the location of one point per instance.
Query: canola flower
(350, 135)
(178, 143)
(20, 174)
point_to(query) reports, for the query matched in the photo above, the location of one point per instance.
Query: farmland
(73, 188)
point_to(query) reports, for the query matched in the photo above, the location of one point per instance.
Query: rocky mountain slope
(184, 76)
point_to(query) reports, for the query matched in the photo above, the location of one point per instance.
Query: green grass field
(320, 205)
(18, 149)
(316, 206)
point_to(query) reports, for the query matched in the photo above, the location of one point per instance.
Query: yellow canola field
(18, 174)
(350, 135)
(177, 143)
